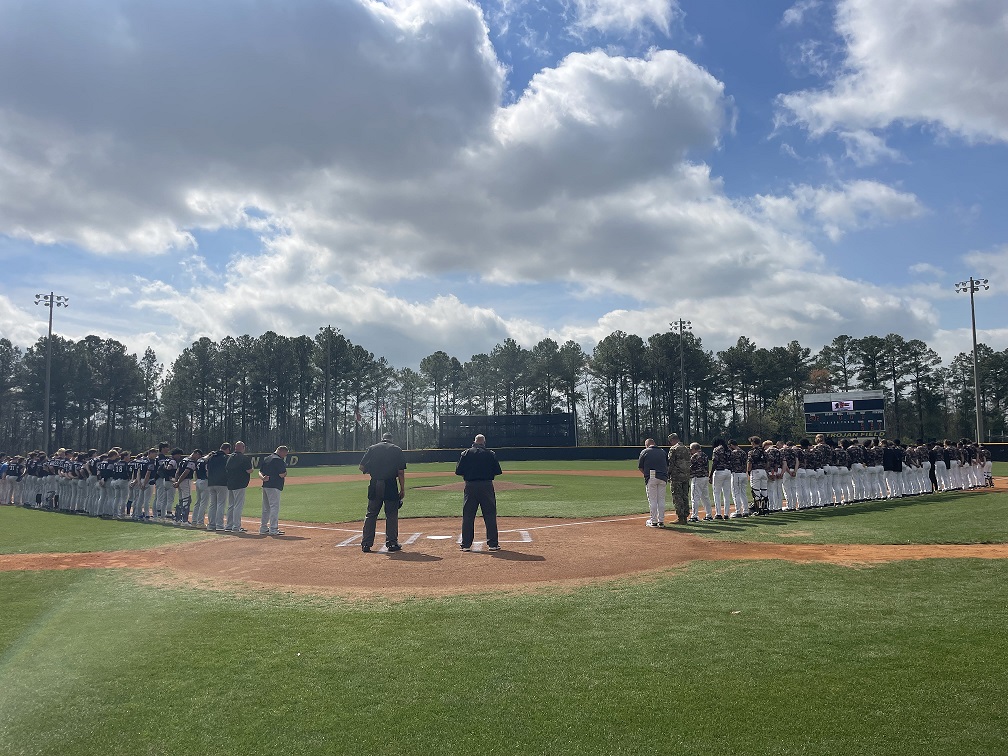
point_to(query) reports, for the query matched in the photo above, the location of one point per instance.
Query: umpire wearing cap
(478, 466)
(386, 464)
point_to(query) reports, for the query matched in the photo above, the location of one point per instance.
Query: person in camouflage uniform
(699, 490)
(679, 477)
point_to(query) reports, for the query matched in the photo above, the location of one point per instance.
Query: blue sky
(438, 174)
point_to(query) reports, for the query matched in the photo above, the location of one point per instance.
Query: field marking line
(306, 527)
(509, 530)
(570, 524)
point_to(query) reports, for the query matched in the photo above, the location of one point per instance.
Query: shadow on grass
(815, 514)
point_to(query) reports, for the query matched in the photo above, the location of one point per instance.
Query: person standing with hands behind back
(654, 466)
(478, 466)
(273, 471)
(238, 472)
(679, 477)
(386, 464)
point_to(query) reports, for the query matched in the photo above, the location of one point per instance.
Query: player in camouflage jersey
(679, 477)
(855, 452)
(739, 480)
(843, 483)
(756, 468)
(699, 483)
(820, 458)
(720, 478)
(775, 475)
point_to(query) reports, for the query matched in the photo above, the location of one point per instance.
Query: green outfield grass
(726, 658)
(945, 518)
(26, 531)
(448, 468)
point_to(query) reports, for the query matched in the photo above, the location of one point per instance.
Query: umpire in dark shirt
(478, 466)
(386, 464)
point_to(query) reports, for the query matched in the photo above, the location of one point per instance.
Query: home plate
(440, 538)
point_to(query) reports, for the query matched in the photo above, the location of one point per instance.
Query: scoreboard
(554, 429)
(849, 413)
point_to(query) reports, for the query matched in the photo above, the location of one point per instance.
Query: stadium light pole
(972, 286)
(683, 326)
(50, 300)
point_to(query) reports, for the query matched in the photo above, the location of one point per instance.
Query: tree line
(325, 393)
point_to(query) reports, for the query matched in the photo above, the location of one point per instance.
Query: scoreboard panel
(554, 429)
(851, 413)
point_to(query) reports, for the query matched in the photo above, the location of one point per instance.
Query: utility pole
(683, 326)
(49, 300)
(972, 286)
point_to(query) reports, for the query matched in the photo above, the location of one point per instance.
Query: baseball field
(875, 628)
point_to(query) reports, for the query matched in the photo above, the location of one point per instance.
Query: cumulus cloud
(20, 326)
(626, 15)
(367, 145)
(145, 104)
(852, 206)
(795, 15)
(992, 265)
(927, 269)
(915, 61)
(866, 148)
(810, 307)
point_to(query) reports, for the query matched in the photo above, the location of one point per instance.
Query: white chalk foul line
(308, 527)
(570, 524)
(526, 535)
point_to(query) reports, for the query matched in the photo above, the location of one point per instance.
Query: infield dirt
(316, 558)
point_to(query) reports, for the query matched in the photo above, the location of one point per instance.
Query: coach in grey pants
(217, 486)
(238, 471)
(273, 471)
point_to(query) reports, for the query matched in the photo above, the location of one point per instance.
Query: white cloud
(103, 144)
(809, 306)
(795, 15)
(951, 342)
(915, 61)
(866, 148)
(21, 326)
(927, 269)
(852, 206)
(992, 265)
(622, 16)
(369, 147)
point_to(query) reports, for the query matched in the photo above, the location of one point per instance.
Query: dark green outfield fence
(510, 454)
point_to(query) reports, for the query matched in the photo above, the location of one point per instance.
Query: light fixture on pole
(972, 286)
(683, 326)
(50, 300)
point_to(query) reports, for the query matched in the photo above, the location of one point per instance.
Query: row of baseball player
(155, 486)
(790, 476)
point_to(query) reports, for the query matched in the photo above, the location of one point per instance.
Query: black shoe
(393, 548)
(465, 548)
(366, 549)
(493, 548)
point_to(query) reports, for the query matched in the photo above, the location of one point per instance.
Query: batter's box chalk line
(354, 540)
